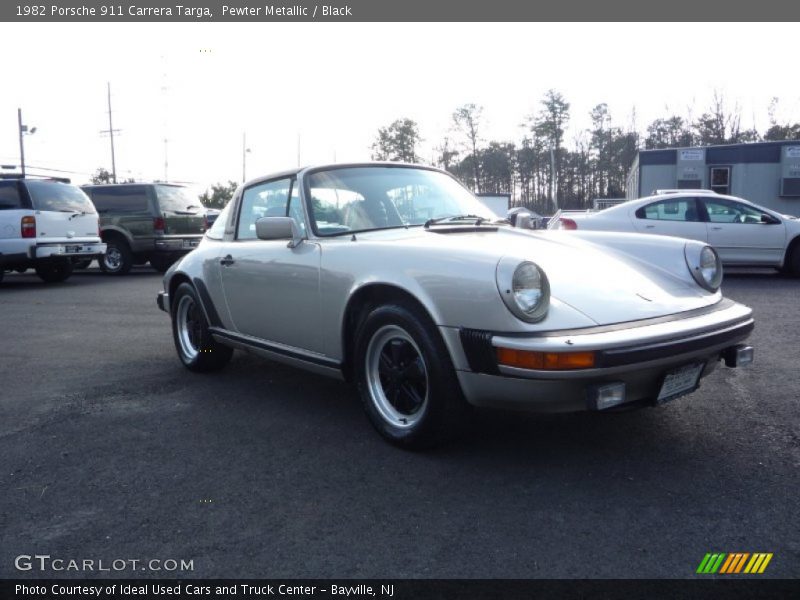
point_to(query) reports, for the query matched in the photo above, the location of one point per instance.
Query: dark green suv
(142, 222)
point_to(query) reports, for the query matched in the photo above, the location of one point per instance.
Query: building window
(721, 180)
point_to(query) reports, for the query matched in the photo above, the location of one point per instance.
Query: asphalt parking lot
(112, 450)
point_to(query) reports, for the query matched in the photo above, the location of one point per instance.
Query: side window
(269, 199)
(676, 209)
(119, 200)
(726, 211)
(217, 230)
(9, 195)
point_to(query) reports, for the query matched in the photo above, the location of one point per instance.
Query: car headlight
(704, 265)
(524, 288)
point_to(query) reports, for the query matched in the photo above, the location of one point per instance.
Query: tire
(792, 264)
(406, 379)
(54, 271)
(196, 348)
(118, 258)
(161, 263)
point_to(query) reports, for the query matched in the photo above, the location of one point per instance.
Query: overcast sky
(331, 86)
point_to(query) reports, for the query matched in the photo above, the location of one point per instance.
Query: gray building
(767, 173)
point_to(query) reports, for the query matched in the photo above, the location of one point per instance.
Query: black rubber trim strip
(647, 352)
(261, 345)
(208, 304)
(723, 304)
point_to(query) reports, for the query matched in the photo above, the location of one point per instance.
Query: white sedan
(743, 233)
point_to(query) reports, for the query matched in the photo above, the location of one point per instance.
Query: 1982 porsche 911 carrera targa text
(395, 277)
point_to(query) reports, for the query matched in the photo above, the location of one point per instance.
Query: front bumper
(162, 300)
(68, 250)
(638, 354)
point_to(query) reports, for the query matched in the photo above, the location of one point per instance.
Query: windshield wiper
(430, 222)
(75, 213)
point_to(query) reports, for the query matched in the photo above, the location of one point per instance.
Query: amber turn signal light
(545, 361)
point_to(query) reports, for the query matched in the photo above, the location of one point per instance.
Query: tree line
(543, 167)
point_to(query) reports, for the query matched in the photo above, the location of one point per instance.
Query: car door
(678, 217)
(272, 291)
(742, 234)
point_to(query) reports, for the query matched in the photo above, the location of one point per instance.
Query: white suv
(46, 224)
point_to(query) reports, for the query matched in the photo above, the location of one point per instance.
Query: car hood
(609, 278)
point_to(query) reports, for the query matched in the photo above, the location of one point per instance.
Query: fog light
(738, 356)
(605, 396)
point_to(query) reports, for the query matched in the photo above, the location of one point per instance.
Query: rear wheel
(196, 348)
(406, 380)
(54, 271)
(118, 258)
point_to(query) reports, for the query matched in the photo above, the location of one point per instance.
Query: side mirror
(769, 219)
(279, 228)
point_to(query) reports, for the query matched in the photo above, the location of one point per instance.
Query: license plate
(190, 243)
(680, 382)
(73, 249)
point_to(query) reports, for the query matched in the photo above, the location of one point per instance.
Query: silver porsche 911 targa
(397, 278)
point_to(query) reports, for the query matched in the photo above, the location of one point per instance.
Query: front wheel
(54, 271)
(196, 348)
(406, 380)
(792, 265)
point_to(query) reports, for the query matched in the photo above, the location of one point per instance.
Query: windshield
(58, 197)
(365, 198)
(177, 200)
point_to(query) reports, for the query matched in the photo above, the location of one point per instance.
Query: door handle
(227, 261)
(716, 228)
(649, 226)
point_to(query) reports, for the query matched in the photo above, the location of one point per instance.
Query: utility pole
(166, 160)
(110, 131)
(23, 129)
(21, 144)
(111, 136)
(553, 182)
(245, 150)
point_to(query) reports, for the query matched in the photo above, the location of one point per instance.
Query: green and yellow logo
(734, 563)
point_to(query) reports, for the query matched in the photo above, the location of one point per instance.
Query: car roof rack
(683, 191)
(39, 177)
(167, 183)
